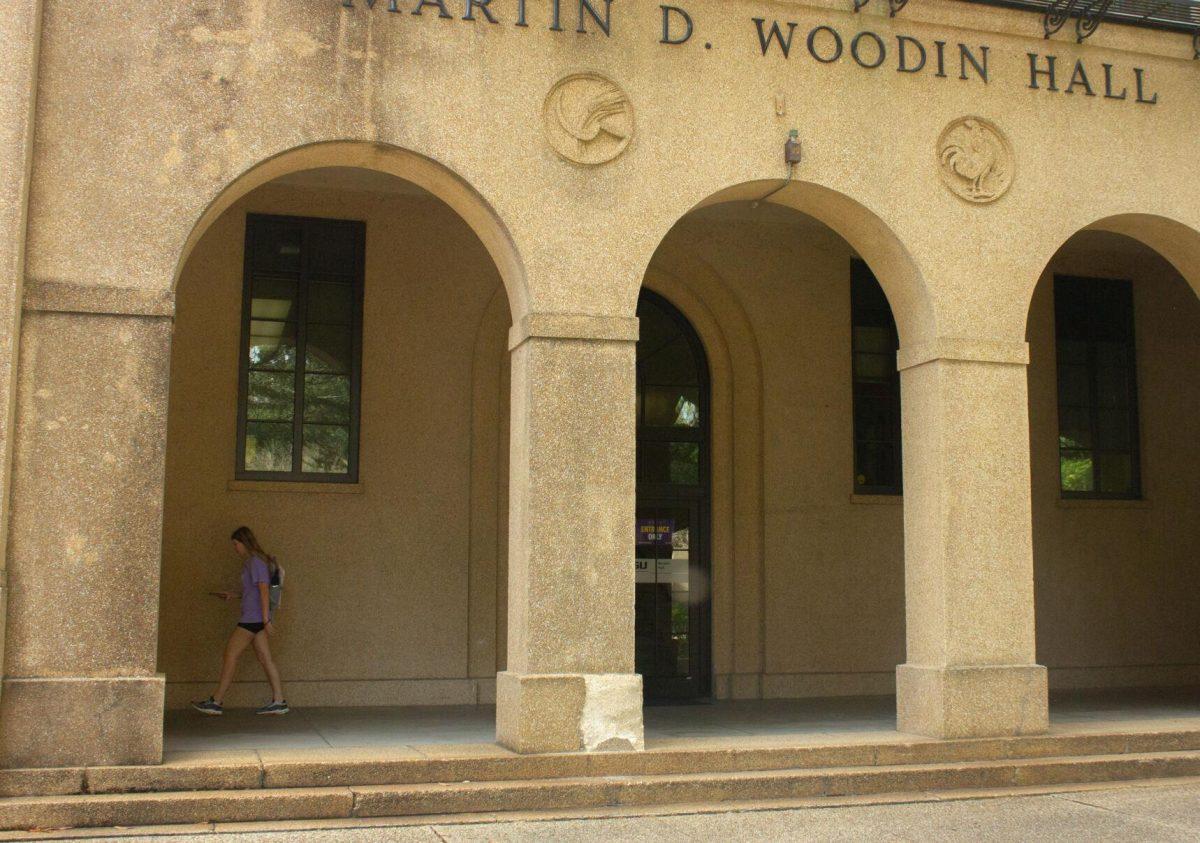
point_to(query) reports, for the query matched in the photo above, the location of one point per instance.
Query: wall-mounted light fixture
(792, 154)
(792, 150)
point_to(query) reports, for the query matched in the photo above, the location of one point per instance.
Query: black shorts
(252, 627)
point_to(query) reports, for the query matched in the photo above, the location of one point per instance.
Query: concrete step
(324, 771)
(575, 793)
(248, 770)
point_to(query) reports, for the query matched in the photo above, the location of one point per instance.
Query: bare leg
(262, 649)
(233, 650)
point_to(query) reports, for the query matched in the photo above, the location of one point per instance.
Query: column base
(569, 712)
(78, 721)
(972, 702)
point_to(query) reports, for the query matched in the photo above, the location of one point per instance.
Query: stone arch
(461, 210)
(866, 232)
(1111, 597)
(713, 294)
(1177, 242)
(426, 173)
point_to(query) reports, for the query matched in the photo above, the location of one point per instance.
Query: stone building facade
(367, 276)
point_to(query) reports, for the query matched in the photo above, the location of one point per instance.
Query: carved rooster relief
(976, 160)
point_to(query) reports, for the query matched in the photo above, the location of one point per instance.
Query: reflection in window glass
(327, 398)
(673, 463)
(274, 296)
(672, 406)
(326, 448)
(328, 348)
(1097, 388)
(273, 346)
(671, 423)
(1075, 468)
(302, 319)
(271, 396)
(662, 616)
(268, 446)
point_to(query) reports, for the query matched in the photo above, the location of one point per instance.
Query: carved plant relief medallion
(588, 119)
(975, 160)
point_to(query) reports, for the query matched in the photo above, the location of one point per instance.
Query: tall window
(1097, 388)
(301, 347)
(876, 387)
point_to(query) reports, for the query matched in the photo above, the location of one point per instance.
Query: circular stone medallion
(975, 160)
(588, 119)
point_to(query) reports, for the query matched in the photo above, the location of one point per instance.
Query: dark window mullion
(244, 349)
(1092, 423)
(301, 352)
(358, 281)
(1131, 398)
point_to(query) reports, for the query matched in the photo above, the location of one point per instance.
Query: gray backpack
(275, 592)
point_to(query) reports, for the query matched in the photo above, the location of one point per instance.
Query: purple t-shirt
(254, 571)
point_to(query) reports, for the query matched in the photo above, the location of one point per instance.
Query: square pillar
(80, 684)
(968, 548)
(570, 683)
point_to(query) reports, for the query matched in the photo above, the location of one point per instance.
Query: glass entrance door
(672, 602)
(672, 639)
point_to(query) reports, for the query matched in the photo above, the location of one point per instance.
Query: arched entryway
(1114, 335)
(793, 352)
(673, 612)
(325, 391)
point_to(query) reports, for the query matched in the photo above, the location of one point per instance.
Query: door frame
(698, 685)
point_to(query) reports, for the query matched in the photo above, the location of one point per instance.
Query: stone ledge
(964, 350)
(278, 487)
(691, 787)
(356, 767)
(1103, 503)
(69, 297)
(573, 326)
(877, 500)
(53, 781)
(223, 770)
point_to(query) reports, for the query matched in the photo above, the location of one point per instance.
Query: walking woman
(259, 572)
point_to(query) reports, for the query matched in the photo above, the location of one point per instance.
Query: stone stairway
(343, 784)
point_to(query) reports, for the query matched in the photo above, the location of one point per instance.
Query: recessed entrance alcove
(339, 383)
(769, 425)
(1114, 333)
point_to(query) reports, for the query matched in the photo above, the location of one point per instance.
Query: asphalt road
(1167, 812)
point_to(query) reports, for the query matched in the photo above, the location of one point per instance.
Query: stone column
(20, 37)
(80, 685)
(968, 546)
(570, 683)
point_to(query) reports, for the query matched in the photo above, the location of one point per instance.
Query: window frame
(357, 230)
(859, 270)
(700, 435)
(1093, 408)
